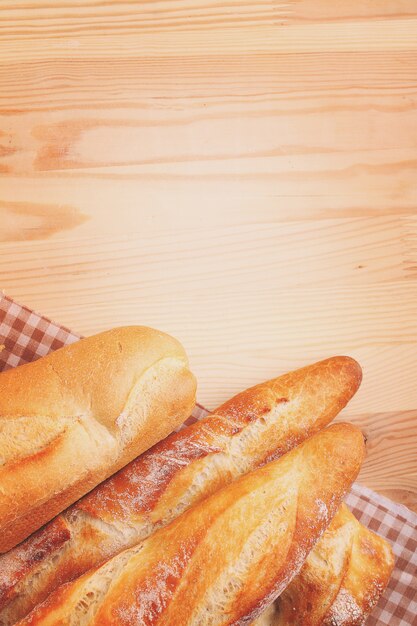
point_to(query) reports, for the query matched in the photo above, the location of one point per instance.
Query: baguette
(223, 560)
(72, 418)
(341, 581)
(254, 426)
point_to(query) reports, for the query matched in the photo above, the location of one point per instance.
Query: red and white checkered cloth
(26, 336)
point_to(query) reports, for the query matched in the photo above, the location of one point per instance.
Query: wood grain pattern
(240, 174)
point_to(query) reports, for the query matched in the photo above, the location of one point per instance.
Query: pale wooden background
(239, 174)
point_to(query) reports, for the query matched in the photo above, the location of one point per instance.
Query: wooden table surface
(239, 174)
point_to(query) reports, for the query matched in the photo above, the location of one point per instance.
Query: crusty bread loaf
(221, 561)
(340, 582)
(254, 426)
(72, 418)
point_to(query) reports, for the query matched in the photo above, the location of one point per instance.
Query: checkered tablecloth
(26, 336)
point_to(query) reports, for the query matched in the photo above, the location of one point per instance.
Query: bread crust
(222, 560)
(341, 581)
(258, 424)
(92, 407)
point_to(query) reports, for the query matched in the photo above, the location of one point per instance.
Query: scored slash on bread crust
(226, 558)
(340, 582)
(257, 425)
(74, 417)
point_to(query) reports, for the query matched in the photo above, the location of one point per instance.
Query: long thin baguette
(256, 425)
(74, 417)
(221, 561)
(341, 581)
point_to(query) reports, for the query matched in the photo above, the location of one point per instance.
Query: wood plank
(240, 174)
(390, 436)
(319, 287)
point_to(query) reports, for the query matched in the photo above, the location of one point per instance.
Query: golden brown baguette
(258, 424)
(72, 418)
(221, 561)
(341, 581)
